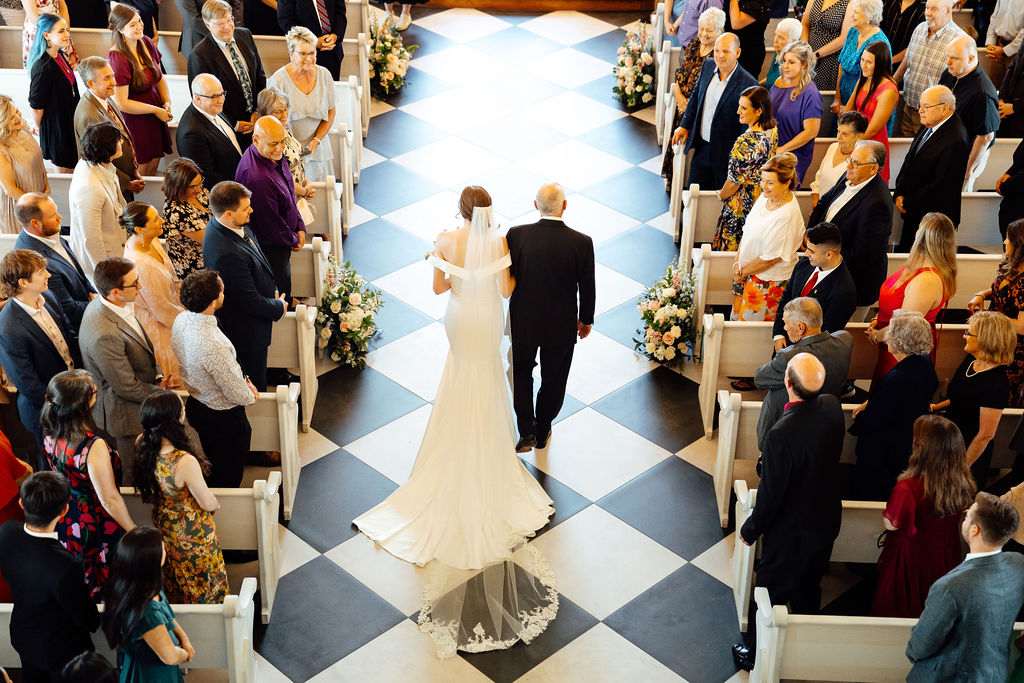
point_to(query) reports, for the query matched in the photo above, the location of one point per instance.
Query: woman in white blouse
(95, 198)
(852, 125)
(772, 234)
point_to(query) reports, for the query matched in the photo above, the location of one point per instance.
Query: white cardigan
(96, 202)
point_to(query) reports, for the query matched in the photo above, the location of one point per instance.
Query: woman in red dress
(876, 96)
(923, 518)
(12, 472)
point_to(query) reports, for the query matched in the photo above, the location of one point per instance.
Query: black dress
(968, 393)
(51, 91)
(260, 19)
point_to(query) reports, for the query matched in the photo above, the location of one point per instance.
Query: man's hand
(1005, 109)
(252, 388)
(780, 344)
(136, 185)
(244, 127)
(582, 330)
(283, 300)
(302, 240)
(327, 42)
(995, 51)
(999, 183)
(899, 204)
(679, 136)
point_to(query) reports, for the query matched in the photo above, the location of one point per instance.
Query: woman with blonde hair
(21, 164)
(796, 103)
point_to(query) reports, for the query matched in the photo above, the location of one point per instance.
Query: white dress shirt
(42, 317)
(223, 127)
(37, 534)
(227, 55)
(53, 243)
(1007, 23)
(126, 313)
(844, 197)
(711, 97)
(974, 556)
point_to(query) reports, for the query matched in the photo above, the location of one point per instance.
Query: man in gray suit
(964, 632)
(802, 321)
(118, 354)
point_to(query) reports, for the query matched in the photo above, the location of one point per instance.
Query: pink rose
(653, 305)
(656, 337)
(668, 339)
(355, 299)
(343, 327)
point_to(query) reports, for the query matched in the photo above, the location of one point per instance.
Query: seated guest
(218, 391)
(876, 96)
(884, 424)
(941, 143)
(170, 476)
(1011, 99)
(967, 622)
(21, 164)
(834, 164)
(13, 473)
(53, 91)
(40, 232)
(157, 303)
(786, 31)
(1011, 187)
(204, 134)
(977, 103)
(88, 667)
(95, 198)
(273, 102)
(771, 235)
(860, 204)
(796, 104)
(138, 620)
(53, 613)
(98, 516)
(186, 213)
(923, 519)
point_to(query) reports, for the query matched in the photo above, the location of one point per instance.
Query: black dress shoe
(526, 444)
(742, 657)
(543, 443)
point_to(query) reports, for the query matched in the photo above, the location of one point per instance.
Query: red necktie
(810, 284)
(321, 13)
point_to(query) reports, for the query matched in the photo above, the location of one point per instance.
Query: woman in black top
(899, 20)
(53, 92)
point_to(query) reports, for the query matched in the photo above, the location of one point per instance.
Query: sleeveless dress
(867, 107)
(825, 27)
(890, 300)
(26, 159)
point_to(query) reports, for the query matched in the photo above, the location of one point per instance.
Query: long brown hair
(121, 16)
(882, 72)
(939, 458)
(1012, 263)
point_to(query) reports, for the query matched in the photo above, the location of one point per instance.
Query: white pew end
(293, 344)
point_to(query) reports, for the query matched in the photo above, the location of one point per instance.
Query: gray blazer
(89, 112)
(964, 632)
(833, 350)
(123, 366)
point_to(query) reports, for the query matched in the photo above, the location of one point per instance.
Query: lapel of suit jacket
(36, 331)
(128, 331)
(252, 247)
(52, 253)
(854, 202)
(729, 87)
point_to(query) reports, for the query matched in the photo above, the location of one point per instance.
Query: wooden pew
(222, 633)
(293, 344)
(274, 419)
(247, 520)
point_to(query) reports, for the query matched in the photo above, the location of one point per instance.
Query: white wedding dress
(470, 504)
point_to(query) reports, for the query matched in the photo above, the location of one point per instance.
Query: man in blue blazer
(40, 232)
(328, 27)
(710, 124)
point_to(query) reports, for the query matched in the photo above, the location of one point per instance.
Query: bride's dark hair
(472, 197)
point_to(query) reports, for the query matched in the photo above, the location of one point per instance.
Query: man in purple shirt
(275, 219)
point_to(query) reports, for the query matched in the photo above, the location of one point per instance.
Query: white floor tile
(646, 114)
(665, 223)
(412, 284)
(460, 65)
(614, 288)
(717, 560)
(572, 113)
(397, 581)
(371, 158)
(359, 216)
(601, 365)
(266, 673)
(595, 219)
(391, 450)
(415, 361)
(294, 551)
(450, 162)
(378, 107)
(574, 164)
(701, 453)
(462, 24)
(313, 445)
(457, 109)
(567, 27)
(428, 217)
(653, 165)
(568, 68)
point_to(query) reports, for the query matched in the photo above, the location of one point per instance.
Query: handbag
(305, 211)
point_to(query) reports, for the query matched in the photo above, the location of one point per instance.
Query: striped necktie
(321, 13)
(243, 75)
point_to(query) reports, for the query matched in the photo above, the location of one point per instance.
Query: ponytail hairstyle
(44, 24)
(135, 578)
(161, 419)
(134, 215)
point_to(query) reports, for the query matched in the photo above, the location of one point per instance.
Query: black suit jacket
(193, 29)
(837, 295)
(206, 57)
(67, 282)
(1011, 208)
(551, 263)
(1011, 91)
(932, 175)
(199, 140)
(725, 127)
(250, 308)
(291, 13)
(866, 225)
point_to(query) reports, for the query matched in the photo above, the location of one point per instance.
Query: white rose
(322, 343)
(670, 352)
(676, 332)
(668, 293)
(651, 346)
(335, 307)
(647, 78)
(684, 314)
(335, 357)
(325, 332)
(629, 90)
(660, 354)
(647, 97)
(355, 298)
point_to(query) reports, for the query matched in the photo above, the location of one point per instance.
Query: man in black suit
(861, 206)
(551, 264)
(1011, 99)
(230, 54)
(932, 175)
(1011, 186)
(326, 19)
(206, 136)
(798, 509)
(251, 303)
(193, 29)
(710, 124)
(53, 614)
(40, 232)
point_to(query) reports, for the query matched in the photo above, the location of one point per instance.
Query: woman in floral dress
(186, 213)
(752, 150)
(97, 516)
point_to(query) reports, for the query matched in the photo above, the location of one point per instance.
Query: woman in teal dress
(138, 621)
(752, 150)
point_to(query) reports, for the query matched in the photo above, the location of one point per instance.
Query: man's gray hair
(806, 310)
(89, 68)
(549, 199)
(713, 17)
(908, 332)
(877, 150)
(944, 95)
(203, 83)
(299, 35)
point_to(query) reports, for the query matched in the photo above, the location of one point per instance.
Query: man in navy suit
(326, 19)
(40, 232)
(710, 123)
(251, 303)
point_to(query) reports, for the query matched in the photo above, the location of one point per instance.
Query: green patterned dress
(749, 153)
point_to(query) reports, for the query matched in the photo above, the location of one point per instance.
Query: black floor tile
(395, 132)
(514, 138)
(687, 621)
(621, 323)
(567, 502)
(601, 89)
(642, 253)
(604, 46)
(628, 138)
(620, 18)
(514, 45)
(397, 319)
(427, 41)
(419, 85)
(512, 16)
(512, 189)
(635, 192)
(321, 614)
(388, 186)
(365, 247)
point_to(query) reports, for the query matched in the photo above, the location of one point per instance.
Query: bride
(470, 504)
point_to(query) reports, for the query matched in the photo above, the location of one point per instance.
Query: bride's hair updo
(472, 197)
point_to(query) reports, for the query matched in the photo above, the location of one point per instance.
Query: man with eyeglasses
(205, 135)
(193, 29)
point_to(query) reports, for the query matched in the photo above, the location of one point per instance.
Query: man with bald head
(977, 103)
(205, 135)
(275, 221)
(932, 175)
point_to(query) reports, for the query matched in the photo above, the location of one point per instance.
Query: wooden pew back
(293, 345)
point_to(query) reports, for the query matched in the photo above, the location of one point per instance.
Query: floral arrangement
(668, 312)
(389, 58)
(346, 315)
(635, 70)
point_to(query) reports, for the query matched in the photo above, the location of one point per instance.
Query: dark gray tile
(628, 138)
(642, 253)
(635, 192)
(364, 248)
(397, 319)
(426, 41)
(621, 323)
(567, 502)
(601, 89)
(604, 46)
(395, 132)
(514, 45)
(387, 187)
(418, 85)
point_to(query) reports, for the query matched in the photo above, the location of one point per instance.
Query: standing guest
(687, 25)
(157, 304)
(13, 473)
(275, 216)
(310, 91)
(866, 16)
(834, 164)
(924, 61)
(752, 150)
(251, 303)
(327, 20)
(205, 135)
(95, 198)
(218, 391)
(88, 13)
(141, 91)
(53, 614)
(1004, 36)
(884, 424)
(942, 143)
(53, 92)
(787, 31)
(193, 29)
(748, 20)
(261, 17)
(21, 164)
(97, 517)
(899, 20)
(33, 10)
(1010, 186)
(149, 12)
(405, 20)
(170, 476)
(1011, 99)
(138, 620)
(710, 125)
(826, 24)
(186, 213)
(977, 103)
(796, 104)
(968, 617)
(923, 519)
(771, 235)
(273, 102)
(876, 96)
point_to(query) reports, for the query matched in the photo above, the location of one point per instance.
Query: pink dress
(158, 304)
(868, 109)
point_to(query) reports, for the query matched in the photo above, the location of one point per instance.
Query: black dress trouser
(554, 371)
(225, 437)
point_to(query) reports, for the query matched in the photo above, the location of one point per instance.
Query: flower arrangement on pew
(346, 315)
(668, 312)
(635, 71)
(389, 59)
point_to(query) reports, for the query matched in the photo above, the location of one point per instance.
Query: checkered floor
(508, 101)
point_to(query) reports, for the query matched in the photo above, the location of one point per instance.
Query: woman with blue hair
(53, 92)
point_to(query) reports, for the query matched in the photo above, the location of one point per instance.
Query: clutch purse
(305, 211)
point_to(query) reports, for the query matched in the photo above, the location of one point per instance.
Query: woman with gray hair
(884, 424)
(787, 31)
(866, 16)
(273, 102)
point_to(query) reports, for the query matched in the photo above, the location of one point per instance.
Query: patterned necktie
(243, 75)
(321, 13)
(117, 121)
(810, 284)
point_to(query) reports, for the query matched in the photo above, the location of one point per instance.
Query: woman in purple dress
(796, 103)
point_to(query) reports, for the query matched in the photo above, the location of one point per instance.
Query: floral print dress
(749, 154)
(1008, 299)
(87, 531)
(180, 217)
